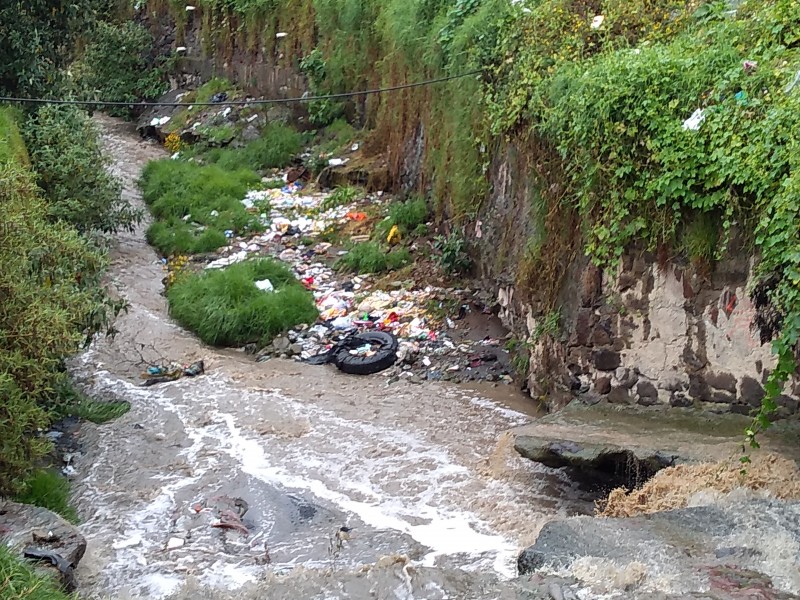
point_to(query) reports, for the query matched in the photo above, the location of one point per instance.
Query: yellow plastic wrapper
(394, 235)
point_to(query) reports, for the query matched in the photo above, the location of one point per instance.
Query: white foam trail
(446, 534)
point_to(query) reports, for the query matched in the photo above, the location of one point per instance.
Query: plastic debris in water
(695, 120)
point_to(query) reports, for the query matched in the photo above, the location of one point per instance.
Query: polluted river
(286, 480)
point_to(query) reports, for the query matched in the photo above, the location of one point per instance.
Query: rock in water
(619, 445)
(725, 550)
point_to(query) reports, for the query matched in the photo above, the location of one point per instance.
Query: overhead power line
(405, 86)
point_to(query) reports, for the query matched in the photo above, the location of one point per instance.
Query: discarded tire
(383, 357)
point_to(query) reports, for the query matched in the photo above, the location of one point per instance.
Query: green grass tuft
(275, 149)
(19, 581)
(213, 86)
(409, 216)
(50, 490)
(370, 257)
(339, 197)
(174, 189)
(700, 237)
(99, 412)
(225, 308)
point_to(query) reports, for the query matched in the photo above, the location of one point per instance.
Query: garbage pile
(428, 347)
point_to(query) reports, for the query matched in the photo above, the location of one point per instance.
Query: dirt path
(423, 474)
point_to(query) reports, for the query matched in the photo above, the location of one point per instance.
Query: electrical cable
(405, 86)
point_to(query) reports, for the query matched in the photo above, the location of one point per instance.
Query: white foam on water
(158, 585)
(514, 417)
(228, 576)
(449, 532)
(406, 476)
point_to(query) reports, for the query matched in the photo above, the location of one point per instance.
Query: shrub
(19, 580)
(209, 197)
(20, 446)
(70, 164)
(225, 308)
(371, 257)
(116, 67)
(50, 304)
(453, 258)
(50, 490)
(37, 41)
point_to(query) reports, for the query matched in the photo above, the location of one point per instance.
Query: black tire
(384, 357)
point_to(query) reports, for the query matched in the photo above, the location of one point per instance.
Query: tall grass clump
(225, 308)
(49, 489)
(12, 147)
(275, 149)
(19, 580)
(371, 257)
(194, 205)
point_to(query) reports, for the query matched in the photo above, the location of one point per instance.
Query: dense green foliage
(276, 148)
(225, 308)
(194, 205)
(48, 489)
(71, 167)
(37, 39)
(116, 66)
(19, 581)
(52, 302)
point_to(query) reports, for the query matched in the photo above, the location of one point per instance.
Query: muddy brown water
(425, 476)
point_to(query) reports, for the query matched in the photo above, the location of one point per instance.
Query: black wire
(9, 99)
